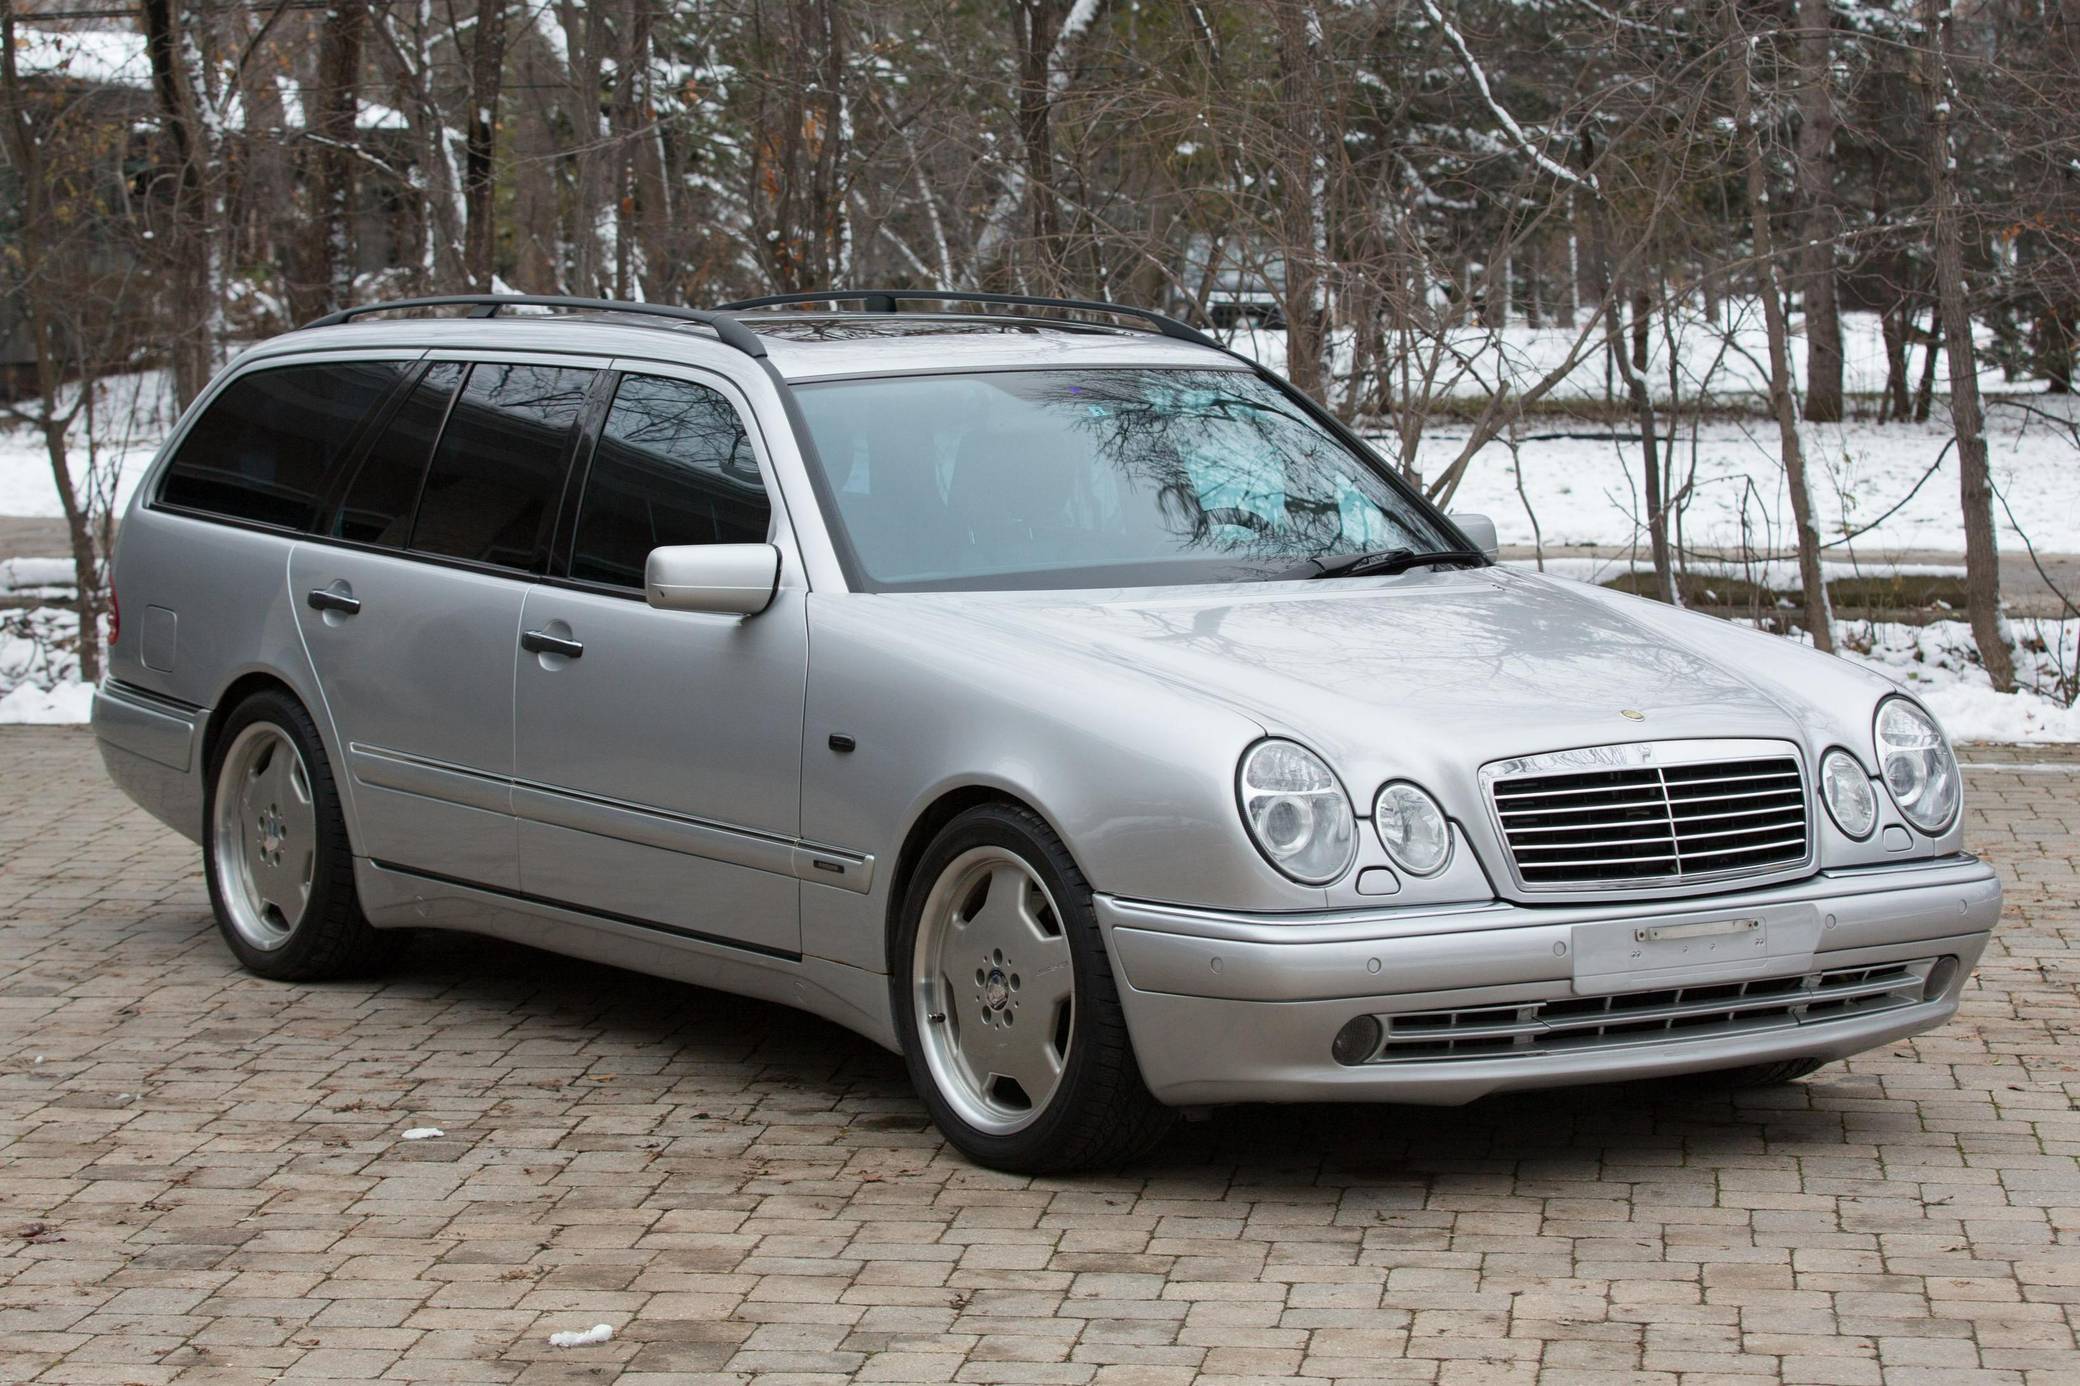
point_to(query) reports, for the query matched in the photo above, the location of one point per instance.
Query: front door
(658, 753)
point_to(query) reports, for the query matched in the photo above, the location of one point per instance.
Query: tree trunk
(1035, 26)
(799, 166)
(1534, 286)
(479, 168)
(1896, 404)
(1642, 397)
(585, 40)
(631, 63)
(328, 276)
(1932, 345)
(1597, 263)
(1816, 258)
(195, 310)
(1303, 195)
(1982, 564)
(1819, 611)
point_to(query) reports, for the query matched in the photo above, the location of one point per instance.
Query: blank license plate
(1693, 949)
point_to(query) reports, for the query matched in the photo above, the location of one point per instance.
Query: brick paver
(202, 1178)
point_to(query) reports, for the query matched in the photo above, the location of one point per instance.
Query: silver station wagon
(1036, 688)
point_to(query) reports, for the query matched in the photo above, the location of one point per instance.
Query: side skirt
(396, 898)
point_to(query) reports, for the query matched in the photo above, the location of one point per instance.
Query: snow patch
(39, 667)
(598, 1333)
(65, 705)
(1939, 664)
(36, 575)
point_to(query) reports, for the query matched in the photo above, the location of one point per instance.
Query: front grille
(1648, 824)
(1647, 1017)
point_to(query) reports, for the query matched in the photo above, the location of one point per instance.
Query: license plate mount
(1621, 955)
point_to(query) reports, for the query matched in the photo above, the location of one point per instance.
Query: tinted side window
(499, 467)
(264, 447)
(673, 466)
(378, 507)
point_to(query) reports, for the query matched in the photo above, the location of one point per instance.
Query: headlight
(1412, 828)
(1297, 812)
(1851, 801)
(1917, 766)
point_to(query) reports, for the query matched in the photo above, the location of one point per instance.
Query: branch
(1508, 121)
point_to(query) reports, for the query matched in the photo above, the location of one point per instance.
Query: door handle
(541, 642)
(325, 599)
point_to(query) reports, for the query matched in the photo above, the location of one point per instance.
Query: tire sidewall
(1000, 826)
(287, 716)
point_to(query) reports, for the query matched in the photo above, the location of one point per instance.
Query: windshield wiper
(1380, 562)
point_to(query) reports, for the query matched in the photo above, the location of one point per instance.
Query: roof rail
(732, 332)
(885, 301)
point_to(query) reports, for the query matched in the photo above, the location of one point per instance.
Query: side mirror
(1479, 530)
(726, 579)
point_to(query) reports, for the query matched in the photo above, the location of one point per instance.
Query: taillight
(115, 617)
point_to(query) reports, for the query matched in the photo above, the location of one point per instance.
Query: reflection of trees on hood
(1165, 433)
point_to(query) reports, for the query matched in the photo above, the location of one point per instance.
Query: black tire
(1101, 1115)
(1764, 1075)
(332, 939)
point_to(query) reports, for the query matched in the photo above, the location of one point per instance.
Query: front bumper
(1229, 1007)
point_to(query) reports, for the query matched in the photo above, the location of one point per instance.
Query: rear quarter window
(265, 448)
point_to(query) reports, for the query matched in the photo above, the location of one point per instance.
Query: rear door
(410, 606)
(659, 766)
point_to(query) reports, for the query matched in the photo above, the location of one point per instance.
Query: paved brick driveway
(201, 1178)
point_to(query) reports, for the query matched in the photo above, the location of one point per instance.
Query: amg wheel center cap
(271, 834)
(996, 992)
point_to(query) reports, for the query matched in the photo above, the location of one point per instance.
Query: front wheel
(1005, 1003)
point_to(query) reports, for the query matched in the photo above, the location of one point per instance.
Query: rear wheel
(281, 873)
(1005, 1002)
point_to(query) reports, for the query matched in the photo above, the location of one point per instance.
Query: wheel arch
(949, 804)
(236, 693)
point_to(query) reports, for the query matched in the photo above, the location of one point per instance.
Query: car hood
(1431, 673)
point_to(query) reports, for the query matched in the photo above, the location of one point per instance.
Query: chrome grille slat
(1735, 809)
(1576, 1023)
(1544, 864)
(1572, 845)
(1798, 842)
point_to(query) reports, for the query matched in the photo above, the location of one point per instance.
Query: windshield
(1040, 479)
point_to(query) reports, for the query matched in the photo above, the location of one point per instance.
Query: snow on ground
(1939, 662)
(110, 446)
(1780, 575)
(39, 673)
(1724, 361)
(1892, 487)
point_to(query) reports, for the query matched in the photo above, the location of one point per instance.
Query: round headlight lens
(1296, 811)
(1915, 760)
(1851, 801)
(1412, 828)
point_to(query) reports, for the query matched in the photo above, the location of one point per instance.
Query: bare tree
(194, 282)
(54, 163)
(1819, 610)
(1981, 550)
(487, 56)
(1815, 164)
